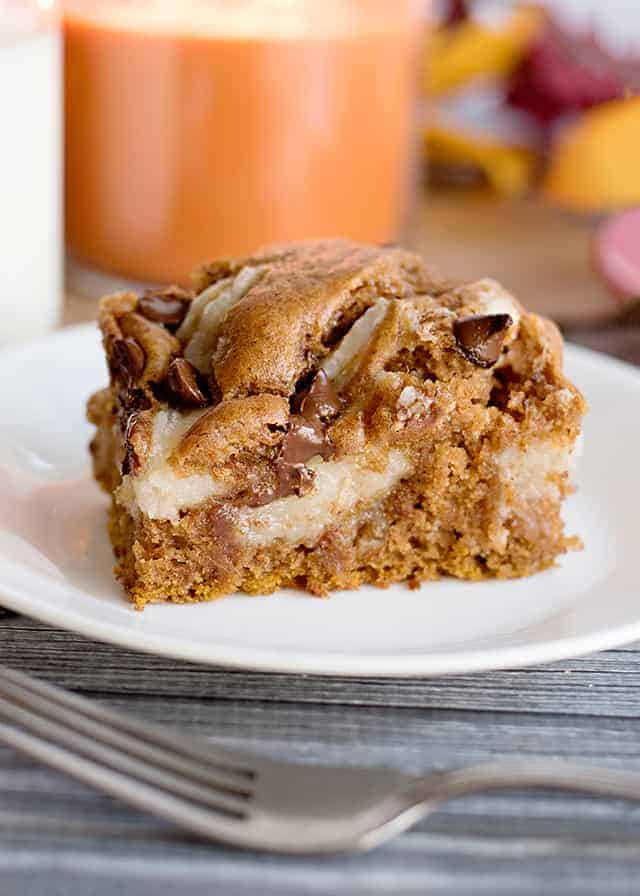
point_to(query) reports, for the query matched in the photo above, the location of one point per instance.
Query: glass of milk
(30, 169)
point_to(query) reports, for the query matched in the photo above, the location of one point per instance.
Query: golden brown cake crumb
(326, 414)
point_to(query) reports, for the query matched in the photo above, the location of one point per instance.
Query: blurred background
(142, 137)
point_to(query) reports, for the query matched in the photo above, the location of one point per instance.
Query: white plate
(55, 560)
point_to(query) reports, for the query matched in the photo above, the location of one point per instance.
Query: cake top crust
(322, 348)
(303, 296)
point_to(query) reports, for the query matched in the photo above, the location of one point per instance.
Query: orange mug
(198, 128)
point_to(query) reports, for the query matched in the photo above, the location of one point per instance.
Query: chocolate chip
(480, 337)
(306, 437)
(130, 405)
(131, 461)
(214, 390)
(291, 480)
(321, 401)
(164, 306)
(127, 359)
(182, 379)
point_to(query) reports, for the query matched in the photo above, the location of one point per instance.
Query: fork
(246, 800)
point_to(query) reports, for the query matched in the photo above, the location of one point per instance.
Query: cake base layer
(398, 539)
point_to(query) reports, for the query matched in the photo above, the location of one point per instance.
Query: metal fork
(246, 800)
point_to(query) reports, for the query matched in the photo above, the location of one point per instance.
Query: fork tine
(197, 820)
(169, 765)
(230, 771)
(25, 710)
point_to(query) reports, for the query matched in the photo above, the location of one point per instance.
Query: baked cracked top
(321, 349)
(259, 323)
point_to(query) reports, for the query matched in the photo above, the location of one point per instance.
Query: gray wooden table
(58, 838)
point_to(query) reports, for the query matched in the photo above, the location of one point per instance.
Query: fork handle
(528, 775)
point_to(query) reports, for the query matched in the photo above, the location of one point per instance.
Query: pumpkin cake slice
(326, 414)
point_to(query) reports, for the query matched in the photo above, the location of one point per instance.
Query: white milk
(30, 179)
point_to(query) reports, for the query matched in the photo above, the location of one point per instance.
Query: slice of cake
(325, 414)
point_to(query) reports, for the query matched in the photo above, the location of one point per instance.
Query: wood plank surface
(543, 256)
(58, 838)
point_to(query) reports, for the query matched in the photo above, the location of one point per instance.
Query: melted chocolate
(321, 401)
(306, 437)
(219, 523)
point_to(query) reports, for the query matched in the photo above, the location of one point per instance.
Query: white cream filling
(192, 318)
(158, 491)
(412, 404)
(208, 311)
(338, 487)
(492, 298)
(409, 396)
(530, 471)
(338, 364)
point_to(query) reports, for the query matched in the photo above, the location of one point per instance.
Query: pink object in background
(616, 254)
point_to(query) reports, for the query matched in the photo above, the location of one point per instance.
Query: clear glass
(30, 169)
(197, 128)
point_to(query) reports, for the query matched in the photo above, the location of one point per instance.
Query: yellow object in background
(508, 168)
(469, 49)
(595, 165)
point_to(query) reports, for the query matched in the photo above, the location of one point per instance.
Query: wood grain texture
(604, 683)
(57, 838)
(538, 253)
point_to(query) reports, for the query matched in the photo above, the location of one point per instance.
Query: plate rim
(334, 664)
